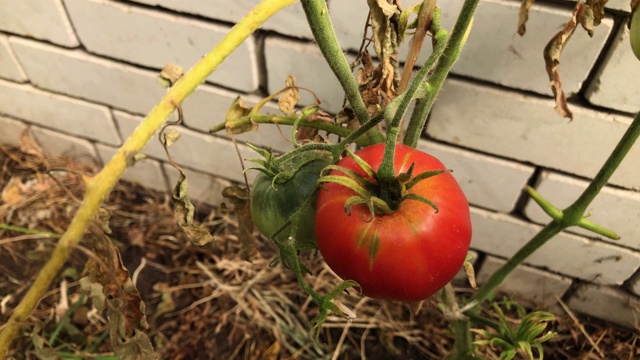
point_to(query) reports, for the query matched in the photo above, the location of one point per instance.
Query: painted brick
(494, 51)
(566, 254)
(146, 172)
(487, 181)
(613, 208)
(81, 75)
(57, 144)
(305, 62)
(606, 303)
(611, 87)
(40, 19)
(201, 187)
(154, 39)
(198, 151)
(208, 106)
(58, 112)
(531, 287)
(289, 21)
(528, 129)
(9, 67)
(11, 130)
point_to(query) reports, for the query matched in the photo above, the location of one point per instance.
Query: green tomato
(273, 203)
(635, 31)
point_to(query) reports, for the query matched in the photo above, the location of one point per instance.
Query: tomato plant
(277, 195)
(412, 251)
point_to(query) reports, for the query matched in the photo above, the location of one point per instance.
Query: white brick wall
(83, 73)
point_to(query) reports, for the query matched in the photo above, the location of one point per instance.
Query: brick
(567, 254)
(606, 303)
(289, 21)
(57, 144)
(494, 52)
(154, 39)
(613, 208)
(202, 188)
(202, 152)
(78, 74)
(531, 287)
(9, 67)
(528, 129)
(487, 181)
(146, 172)
(208, 106)
(40, 19)
(611, 87)
(634, 284)
(11, 130)
(305, 62)
(58, 112)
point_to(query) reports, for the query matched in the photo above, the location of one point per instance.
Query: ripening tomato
(408, 254)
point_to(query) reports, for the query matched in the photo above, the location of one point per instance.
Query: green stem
(449, 57)
(29, 231)
(571, 216)
(324, 34)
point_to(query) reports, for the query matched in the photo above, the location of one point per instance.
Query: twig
(99, 186)
(579, 325)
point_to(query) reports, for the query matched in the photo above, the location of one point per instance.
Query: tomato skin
(271, 208)
(419, 251)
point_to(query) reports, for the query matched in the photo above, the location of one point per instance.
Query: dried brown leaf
(126, 310)
(523, 17)
(241, 201)
(290, 97)
(415, 45)
(183, 211)
(552, 53)
(170, 74)
(28, 144)
(170, 137)
(236, 111)
(385, 40)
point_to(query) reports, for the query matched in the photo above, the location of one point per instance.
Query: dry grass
(206, 302)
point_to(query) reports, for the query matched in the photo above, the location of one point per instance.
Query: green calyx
(380, 197)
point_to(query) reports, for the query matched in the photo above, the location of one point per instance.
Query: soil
(204, 302)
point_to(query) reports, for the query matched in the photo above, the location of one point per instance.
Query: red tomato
(416, 249)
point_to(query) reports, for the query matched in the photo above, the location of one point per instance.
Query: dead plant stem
(98, 187)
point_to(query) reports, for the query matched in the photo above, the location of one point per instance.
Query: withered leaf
(523, 17)
(236, 111)
(425, 15)
(183, 211)
(28, 144)
(289, 98)
(126, 310)
(385, 40)
(552, 61)
(241, 201)
(169, 74)
(170, 137)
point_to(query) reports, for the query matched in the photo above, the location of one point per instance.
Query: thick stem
(99, 186)
(570, 216)
(324, 34)
(451, 53)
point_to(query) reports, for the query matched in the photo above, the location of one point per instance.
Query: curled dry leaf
(552, 61)
(384, 14)
(170, 74)
(236, 111)
(290, 96)
(241, 201)
(183, 211)
(588, 15)
(126, 310)
(425, 15)
(523, 17)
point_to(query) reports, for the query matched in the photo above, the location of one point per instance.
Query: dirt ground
(205, 302)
